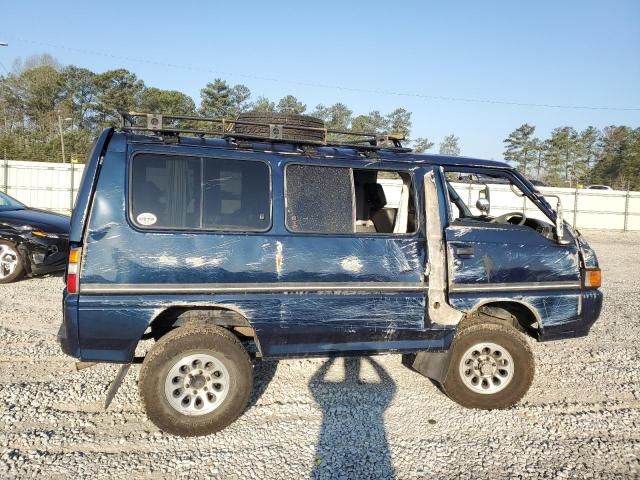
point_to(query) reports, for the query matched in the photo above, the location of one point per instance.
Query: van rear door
(87, 183)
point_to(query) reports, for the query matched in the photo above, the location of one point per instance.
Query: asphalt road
(364, 418)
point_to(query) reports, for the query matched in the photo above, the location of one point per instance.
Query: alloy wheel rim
(8, 260)
(486, 368)
(197, 384)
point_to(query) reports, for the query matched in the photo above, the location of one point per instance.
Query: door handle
(464, 251)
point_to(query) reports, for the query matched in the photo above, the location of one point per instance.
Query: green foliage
(170, 102)
(215, 99)
(519, 147)
(263, 104)
(40, 96)
(399, 122)
(117, 91)
(569, 158)
(290, 104)
(449, 146)
(79, 93)
(374, 122)
(422, 144)
(619, 161)
(218, 99)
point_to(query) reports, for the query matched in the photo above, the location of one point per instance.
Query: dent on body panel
(403, 257)
(549, 308)
(589, 257)
(512, 263)
(346, 311)
(320, 258)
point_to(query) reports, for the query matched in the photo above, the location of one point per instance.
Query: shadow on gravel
(263, 372)
(353, 440)
(35, 278)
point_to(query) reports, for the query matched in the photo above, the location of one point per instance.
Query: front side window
(180, 192)
(493, 198)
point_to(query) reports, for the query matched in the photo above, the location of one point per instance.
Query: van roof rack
(173, 125)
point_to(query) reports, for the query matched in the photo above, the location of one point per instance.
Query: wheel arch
(519, 313)
(230, 317)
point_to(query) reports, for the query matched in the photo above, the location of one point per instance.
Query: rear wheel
(196, 380)
(491, 366)
(11, 264)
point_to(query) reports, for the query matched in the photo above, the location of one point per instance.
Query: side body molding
(440, 312)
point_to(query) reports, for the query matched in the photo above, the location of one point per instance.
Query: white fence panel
(45, 185)
(53, 186)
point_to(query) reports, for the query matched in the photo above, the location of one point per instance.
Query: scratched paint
(508, 255)
(351, 264)
(114, 252)
(313, 321)
(588, 253)
(550, 308)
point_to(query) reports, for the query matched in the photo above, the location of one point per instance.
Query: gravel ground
(579, 420)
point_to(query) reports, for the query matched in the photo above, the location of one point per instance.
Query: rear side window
(319, 199)
(179, 192)
(166, 191)
(236, 195)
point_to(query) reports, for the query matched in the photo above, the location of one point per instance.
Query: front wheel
(491, 366)
(196, 380)
(11, 265)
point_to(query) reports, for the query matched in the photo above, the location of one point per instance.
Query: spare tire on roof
(287, 119)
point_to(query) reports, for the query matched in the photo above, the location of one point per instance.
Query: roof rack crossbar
(162, 124)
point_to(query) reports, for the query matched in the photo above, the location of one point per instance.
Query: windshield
(8, 203)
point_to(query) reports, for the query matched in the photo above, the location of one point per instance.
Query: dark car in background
(32, 242)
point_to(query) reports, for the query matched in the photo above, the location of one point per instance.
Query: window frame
(132, 221)
(505, 173)
(351, 168)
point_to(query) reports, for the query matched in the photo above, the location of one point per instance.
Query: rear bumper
(591, 307)
(68, 332)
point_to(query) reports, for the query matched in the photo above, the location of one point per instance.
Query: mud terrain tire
(473, 357)
(193, 341)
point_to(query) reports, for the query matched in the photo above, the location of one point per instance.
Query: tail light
(592, 278)
(73, 270)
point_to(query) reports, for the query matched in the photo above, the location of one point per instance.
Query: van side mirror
(484, 201)
(559, 222)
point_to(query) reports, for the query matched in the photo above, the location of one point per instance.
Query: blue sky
(546, 52)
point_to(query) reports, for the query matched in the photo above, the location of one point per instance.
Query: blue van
(270, 236)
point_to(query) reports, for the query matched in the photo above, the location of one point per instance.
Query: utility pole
(64, 160)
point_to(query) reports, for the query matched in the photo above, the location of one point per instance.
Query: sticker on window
(146, 219)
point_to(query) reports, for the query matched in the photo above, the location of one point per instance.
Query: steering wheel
(504, 218)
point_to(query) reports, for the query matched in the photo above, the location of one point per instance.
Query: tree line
(572, 158)
(41, 101)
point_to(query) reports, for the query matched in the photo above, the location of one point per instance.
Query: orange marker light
(592, 278)
(74, 255)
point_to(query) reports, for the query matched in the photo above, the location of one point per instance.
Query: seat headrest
(375, 195)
